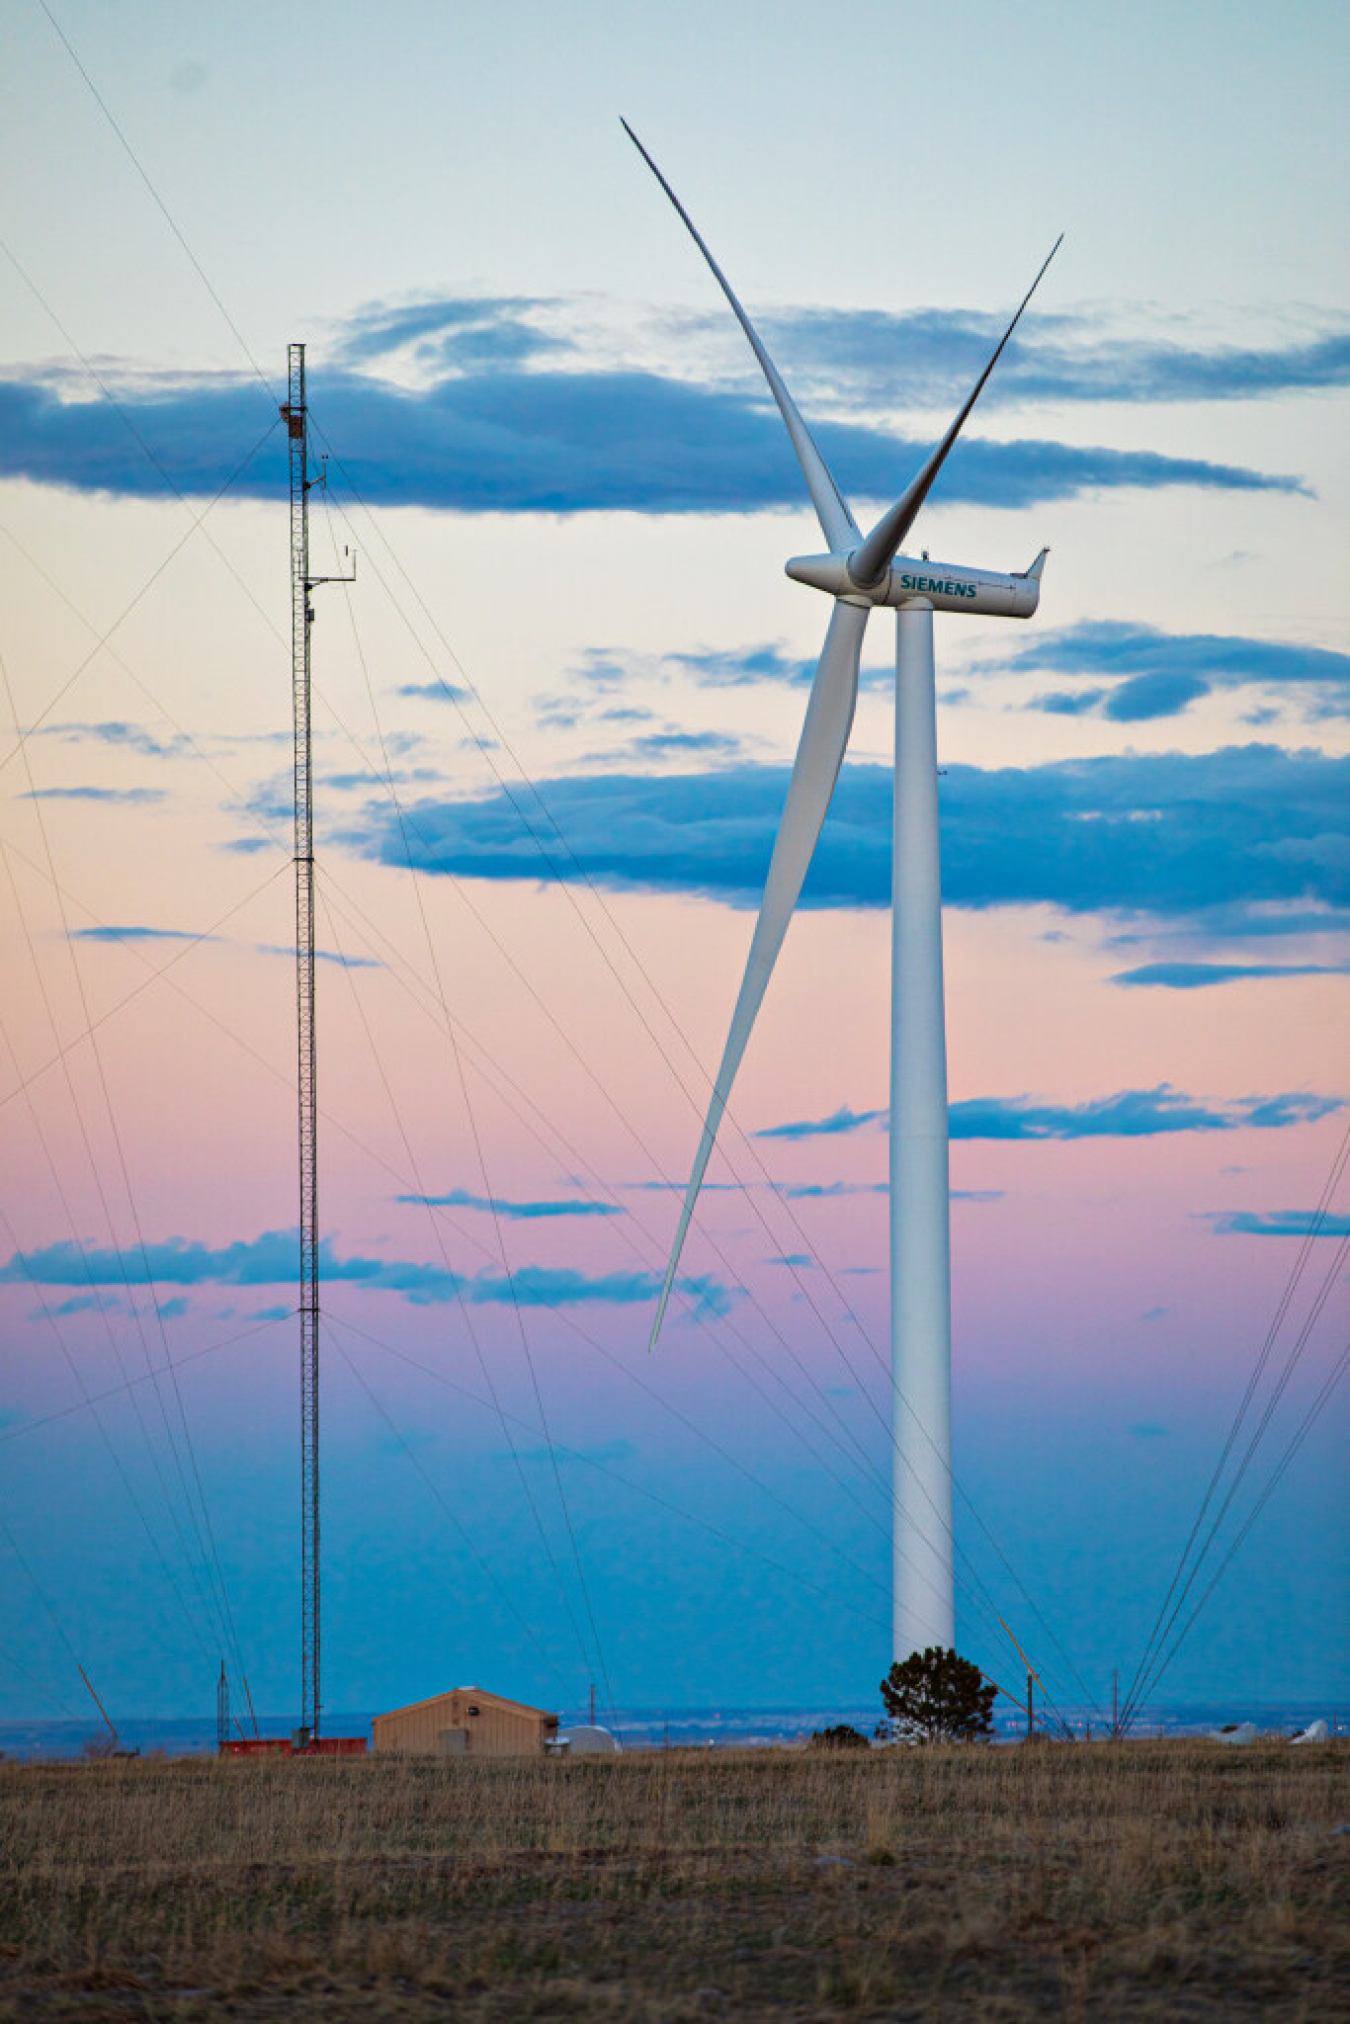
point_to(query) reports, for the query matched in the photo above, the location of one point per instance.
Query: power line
(1150, 1675)
(124, 938)
(132, 603)
(1306, 1426)
(159, 203)
(87, 1403)
(803, 1287)
(472, 1333)
(806, 1291)
(1163, 1621)
(568, 1321)
(202, 1527)
(638, 1489)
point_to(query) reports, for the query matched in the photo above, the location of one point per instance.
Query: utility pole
(295, 414)
(222, 1710)
(1031, 1706)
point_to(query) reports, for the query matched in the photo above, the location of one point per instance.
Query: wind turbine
(860, 573)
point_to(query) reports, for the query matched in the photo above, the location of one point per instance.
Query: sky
(554, 716)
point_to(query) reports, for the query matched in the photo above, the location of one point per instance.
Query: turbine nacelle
(947, 587)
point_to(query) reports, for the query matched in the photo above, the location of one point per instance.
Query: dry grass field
(1134, 1881)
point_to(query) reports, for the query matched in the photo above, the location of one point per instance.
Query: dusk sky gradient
(554, 719)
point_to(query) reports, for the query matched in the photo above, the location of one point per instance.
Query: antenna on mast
(295, 414)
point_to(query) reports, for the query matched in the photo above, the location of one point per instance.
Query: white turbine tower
(860, 573)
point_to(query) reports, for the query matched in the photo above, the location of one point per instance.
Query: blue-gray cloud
(1237, 834)
(454, 334)
(320, 956)
(601, 1453)
(439, 692)
(932, 356)
(460, 1198)
(1277, 1223)
(675, 744)
(831, 1191)
(543, 442)
(741, 668)
(272, 1260)
(863, 357)
(1129, 1113)
(132, 796)
(138, 934)
(117, 732)
(1138, 673)
(841, 1120)
(1199, 976)
(147, 934)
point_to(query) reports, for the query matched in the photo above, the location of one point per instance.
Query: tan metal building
(465, 1722)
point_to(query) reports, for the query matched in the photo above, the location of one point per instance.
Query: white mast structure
(860, 574)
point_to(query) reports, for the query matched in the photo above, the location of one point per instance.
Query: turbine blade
(840, 528)
(870, 562)
(829, 718)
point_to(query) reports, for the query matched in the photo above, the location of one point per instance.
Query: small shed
(466, 1722)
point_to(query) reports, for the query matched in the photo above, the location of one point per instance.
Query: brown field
(1149, 1880)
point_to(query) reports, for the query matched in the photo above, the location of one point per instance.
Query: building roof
(483, 1693)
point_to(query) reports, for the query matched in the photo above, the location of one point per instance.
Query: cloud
(514, 440)
(272, 1260)
(841, 1120)
(170, 1310)
(457, 334)
(602, 1453)
(132, 796)
(138, 934)
(439, 692)
(320, 956)
(743, 668)
(865, 358)
(460, 1198)
(933, 356)
(1148, 1430)
(1199, 976)
(117, 732)
(1254, 838)
(1277, 1223)
(1156, 674)
(676, 744)
(1130, 1113)
(829, 1191)
(1062, 702)
(269, 1313)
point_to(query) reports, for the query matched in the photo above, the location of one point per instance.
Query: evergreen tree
(934, 1696)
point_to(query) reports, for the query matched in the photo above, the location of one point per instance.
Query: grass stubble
(1132, 1881)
